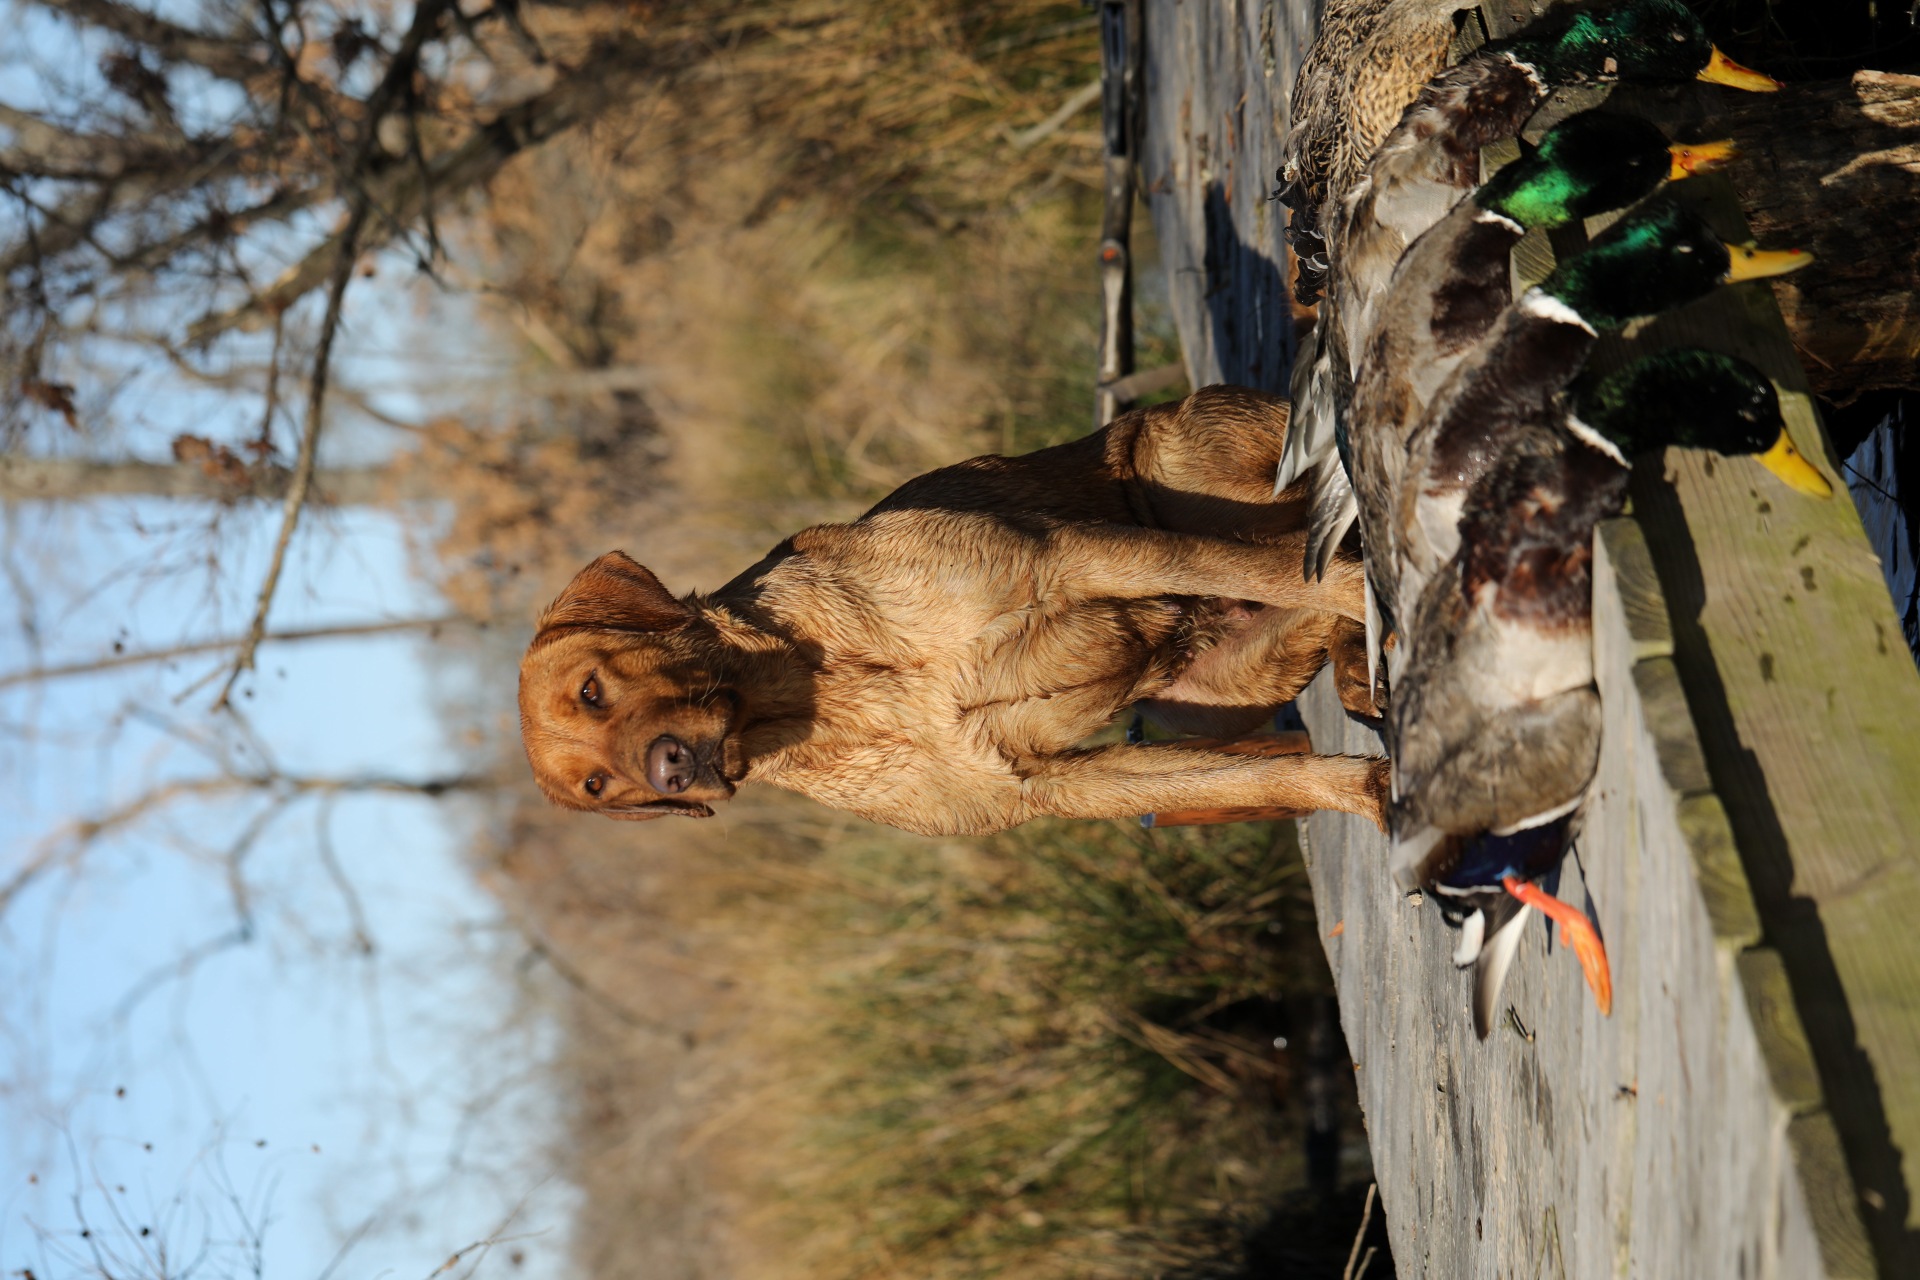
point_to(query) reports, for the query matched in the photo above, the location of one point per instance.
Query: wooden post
(1120, 62)
(1805, 699)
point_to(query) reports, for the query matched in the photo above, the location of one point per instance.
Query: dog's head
(621, 712)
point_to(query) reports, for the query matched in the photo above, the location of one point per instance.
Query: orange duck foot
(1576, 931)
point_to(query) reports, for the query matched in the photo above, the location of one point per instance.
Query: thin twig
(330, 861)
(273, 383)
(354, 1237)
(398, 78)
(236, 866)
(178, 969)
(1078, 101)
(496, 1236)
(309, 450)
(1366, 1217)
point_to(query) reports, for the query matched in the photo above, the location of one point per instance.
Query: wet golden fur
(936, 664)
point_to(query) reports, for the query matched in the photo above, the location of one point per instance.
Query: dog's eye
(596, 784)
(590, 694)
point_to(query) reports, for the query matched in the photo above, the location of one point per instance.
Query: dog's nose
(669, 765)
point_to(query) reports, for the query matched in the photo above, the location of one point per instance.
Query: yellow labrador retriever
(937, 664)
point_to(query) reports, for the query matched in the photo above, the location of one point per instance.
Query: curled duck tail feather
(1504, 927)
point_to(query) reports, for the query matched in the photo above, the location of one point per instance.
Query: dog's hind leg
(1123, 782)
(1206, 464)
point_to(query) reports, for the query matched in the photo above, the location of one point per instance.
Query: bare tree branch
(330, 863)
(25, 478)
(75, 220)
(265, 437)
(394, 85)
(45, 149)
(612, 71)
(111, 662)
(226, 57)
(276, 208)
(483, 1247)
(70, 843)
(178, 968)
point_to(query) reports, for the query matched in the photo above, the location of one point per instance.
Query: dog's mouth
(727, 756)
(659, 809)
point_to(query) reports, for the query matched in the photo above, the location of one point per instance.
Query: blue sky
(157, 1071)
(296, 1037)
(397, 1092)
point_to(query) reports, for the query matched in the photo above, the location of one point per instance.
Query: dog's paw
(1379, 791)
(1357, 696)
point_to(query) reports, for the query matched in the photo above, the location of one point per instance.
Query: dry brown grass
(808, 1047)
(1020, 1057)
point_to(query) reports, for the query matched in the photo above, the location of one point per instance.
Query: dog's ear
(657, 809)
(613, 594)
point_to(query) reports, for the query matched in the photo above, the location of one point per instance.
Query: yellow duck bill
(1794, 470)
(1747, 263)
(1690, 158)
(1721, 69)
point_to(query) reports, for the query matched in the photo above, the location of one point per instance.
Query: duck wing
(1495, 719)
(1331, 513)
(1418, 173)
(1432, 157)
(1502, 401)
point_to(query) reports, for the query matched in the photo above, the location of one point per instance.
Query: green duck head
(1699, 400)
(1658, 257)
(1592, 162)
(1638, 40)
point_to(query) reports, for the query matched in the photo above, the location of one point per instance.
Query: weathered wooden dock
(1752, 1107)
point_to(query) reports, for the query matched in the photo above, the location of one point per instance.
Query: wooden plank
(1216, 85)
(1696, 1132)
(1641, 600)
(1806, 701)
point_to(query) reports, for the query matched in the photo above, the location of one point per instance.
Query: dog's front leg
(1120, 561)
(1122, 782)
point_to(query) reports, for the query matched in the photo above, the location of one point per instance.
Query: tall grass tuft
(1048, 1053)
